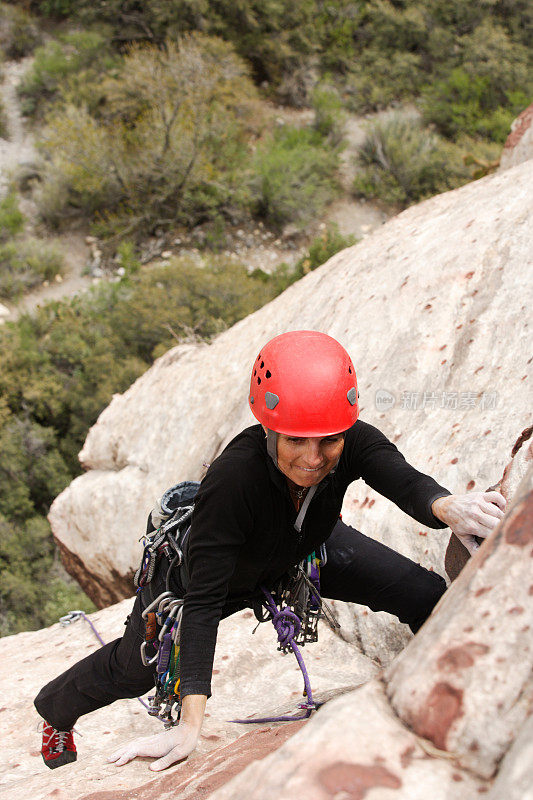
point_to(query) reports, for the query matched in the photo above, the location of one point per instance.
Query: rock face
(449, 718)
(519, 144)
(434, 309)
(251, 678)
(466, 683)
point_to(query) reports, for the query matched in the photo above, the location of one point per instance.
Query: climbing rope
(287, 625)
(73, 616)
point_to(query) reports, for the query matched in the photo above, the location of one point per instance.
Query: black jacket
(242, 533)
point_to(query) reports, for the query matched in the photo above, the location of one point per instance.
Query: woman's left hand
(470, 515)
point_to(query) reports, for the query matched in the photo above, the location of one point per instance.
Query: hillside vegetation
(152, 115)
(154, 118)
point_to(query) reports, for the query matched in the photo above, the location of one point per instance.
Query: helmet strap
(272, 445)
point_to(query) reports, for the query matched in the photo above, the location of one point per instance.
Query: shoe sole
(66, 757)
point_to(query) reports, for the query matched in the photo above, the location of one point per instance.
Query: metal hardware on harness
(301, 594)
(165, 703)
(162, 542)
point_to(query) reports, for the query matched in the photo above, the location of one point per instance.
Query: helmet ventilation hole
(258, 381)
(268, 374)
(255, 372)
(350, 370)
(262, 365)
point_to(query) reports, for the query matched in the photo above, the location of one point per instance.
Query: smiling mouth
(314, 469)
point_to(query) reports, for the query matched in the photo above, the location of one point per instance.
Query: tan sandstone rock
(466, 681)
(437, 302)
(251, 678)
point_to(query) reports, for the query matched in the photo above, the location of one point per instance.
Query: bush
(25, 264)
(55, 379)
(19, 34)
(294, 176)
(483, 94)
(400, 162)
(293, 43)
(460, 104)
(69, 68)
(4, 124)
(168, 146)
(11, 218)
(479, 156)
(330, 117)
(322, 248)
(34, 589)
(380, 80)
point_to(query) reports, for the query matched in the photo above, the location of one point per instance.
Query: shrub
(68, 67)
(479, 156)
(168, 146)
(380, 80)
(294, 176)
(4, 124)
(461, 104)
(11, 218)
(19, 34)
(25, 264)
(322, 248)
(483, 94)
(400, 162)
(329, 118)
(55, 379)
(34, 589)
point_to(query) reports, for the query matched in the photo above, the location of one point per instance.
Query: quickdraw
(165, 703)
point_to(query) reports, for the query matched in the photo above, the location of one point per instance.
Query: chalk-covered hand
(470, 515)
(168, 747)
(171, 745)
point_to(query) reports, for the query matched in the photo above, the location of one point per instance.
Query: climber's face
(306, 461)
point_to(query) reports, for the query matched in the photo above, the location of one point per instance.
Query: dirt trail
(17, 150)
(72, 282)
(20, 147)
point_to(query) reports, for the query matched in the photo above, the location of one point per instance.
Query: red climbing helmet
(303, 384)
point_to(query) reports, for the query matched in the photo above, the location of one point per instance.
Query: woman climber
(271, 498)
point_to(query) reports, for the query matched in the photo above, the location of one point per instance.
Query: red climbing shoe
(58, 747)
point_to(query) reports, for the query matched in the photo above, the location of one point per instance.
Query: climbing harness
(74, 616)
(300, 593)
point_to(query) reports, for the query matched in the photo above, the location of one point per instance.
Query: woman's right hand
(171, 745)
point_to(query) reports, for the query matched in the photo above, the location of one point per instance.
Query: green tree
(168, 147)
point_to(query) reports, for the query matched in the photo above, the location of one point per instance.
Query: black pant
(358, 570)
